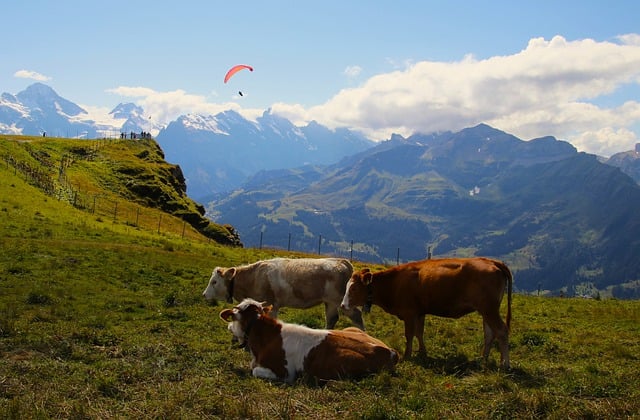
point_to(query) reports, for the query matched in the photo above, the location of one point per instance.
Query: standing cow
(282, 351)
(288, 282)
(450, 287)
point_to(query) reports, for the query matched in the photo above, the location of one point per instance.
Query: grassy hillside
(122, 181)
(101, 318)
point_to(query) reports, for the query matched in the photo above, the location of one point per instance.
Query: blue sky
(532, 68)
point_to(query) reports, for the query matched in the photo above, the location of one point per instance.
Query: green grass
(102, 320)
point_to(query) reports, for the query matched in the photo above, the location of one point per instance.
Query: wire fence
(323, 245)
(54, 181)
(52, 178)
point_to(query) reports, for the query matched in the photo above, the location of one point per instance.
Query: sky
(569, 69)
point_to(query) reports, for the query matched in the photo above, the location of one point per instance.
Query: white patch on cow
(297, 341)
(263, 372)
(216, 288)
(345, 300)
(235, 326)
(246, 303)
(236, 330)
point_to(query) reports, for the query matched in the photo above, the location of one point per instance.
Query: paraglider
(240, 93)
(233, 70)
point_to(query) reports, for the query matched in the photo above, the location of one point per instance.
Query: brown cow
(449, 287)
(281, 351)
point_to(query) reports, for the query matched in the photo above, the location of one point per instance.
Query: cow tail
(507, 273)
(349, 266)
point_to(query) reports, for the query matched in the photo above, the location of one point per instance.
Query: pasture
(104, 320)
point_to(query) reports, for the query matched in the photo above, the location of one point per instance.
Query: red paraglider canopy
(233, 70)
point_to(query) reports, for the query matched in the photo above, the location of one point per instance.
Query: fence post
(260, 240)
(319, 243)
(351, 253)
(159, 222)
(398, 257)
(184, 224)
(289, 243)
(115, 211)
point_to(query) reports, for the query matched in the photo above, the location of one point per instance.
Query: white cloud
(167, 106)
(99, 114)
(551, 87)
(630, 39)
(353, 71)
(294, 113)
(132, 92)
(28, 74)
(604, 140)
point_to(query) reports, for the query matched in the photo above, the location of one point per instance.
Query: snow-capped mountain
(218, 153)
(135, 119)
(39, 110)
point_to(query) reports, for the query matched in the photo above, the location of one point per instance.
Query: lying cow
(296, 283)
(450, 287)
(281, 351)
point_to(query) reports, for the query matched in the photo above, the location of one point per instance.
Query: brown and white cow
(282, 351)
(449, 287)
(288, 282)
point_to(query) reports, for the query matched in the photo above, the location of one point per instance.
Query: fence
(104, 207)
(322, 245)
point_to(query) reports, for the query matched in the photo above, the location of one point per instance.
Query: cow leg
(420, 335)
(409, 331)
(494, 328)
(488, 340)
(503, 341)
(355, 315)
(331, 315)
(263, 372)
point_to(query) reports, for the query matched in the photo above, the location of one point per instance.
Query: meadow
(100, 319)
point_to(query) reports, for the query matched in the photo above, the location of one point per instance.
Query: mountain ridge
(221, 152)
(207, 174)
(536, 204)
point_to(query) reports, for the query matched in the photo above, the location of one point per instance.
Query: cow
(448, 287)
(288, 282)
(282, 351)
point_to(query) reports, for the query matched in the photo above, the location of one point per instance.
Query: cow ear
(266, 308)
(367, 278)
(365, 270)
(226, 315)
(230, 273)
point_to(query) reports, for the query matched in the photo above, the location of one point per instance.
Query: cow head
(358, 291)
(220, 285)
(242, 317)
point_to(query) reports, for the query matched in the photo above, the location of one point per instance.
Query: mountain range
(563, 220)
(220, 152)
(39, 110)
